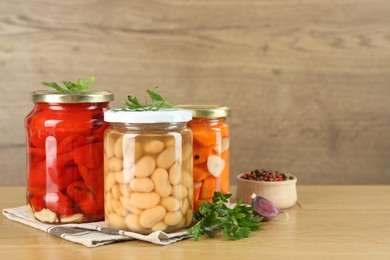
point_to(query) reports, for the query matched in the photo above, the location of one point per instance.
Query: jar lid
(47, 96)
(161, 116)
(207, 111)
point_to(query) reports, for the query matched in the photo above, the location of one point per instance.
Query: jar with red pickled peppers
(148, 170)
(65, 179)
(210, 151)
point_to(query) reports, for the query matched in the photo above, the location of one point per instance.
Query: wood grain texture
(307, 81)
(320, 229)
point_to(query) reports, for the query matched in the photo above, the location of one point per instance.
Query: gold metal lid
(47, 96)
(207, 111)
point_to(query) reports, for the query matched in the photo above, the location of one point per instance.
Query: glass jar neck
(71, 106)
(208, 121)
(147, 127)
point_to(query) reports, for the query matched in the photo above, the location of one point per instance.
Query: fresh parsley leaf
(133, 103)
(157, 103)
(154, 96)
(84, 84)
(70, 87)
(235, 223)
(55, 86)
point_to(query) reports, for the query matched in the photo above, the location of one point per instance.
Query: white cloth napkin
(92, 234)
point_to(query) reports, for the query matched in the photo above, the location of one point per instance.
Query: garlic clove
(265, 208)
(222, 146)
(215, 165)
(74, 218)
(46, 215)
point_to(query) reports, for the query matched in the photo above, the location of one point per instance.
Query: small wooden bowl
(283, 194)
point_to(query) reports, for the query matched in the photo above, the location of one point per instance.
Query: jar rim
(47, 96)
(207, 111)
(160, 116)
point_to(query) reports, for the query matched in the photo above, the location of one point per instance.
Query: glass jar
(210, 151)
(148, 170)
(65, 156)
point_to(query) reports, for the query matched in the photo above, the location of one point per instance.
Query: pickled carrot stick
(200, 172)
(208, 188)
(200, 153)
(225, 180)
(224, 130)
(197, 188)
(204, 136)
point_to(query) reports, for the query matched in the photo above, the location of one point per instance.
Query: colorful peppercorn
(264, 175)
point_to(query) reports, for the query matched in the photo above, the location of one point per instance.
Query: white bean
(132, 222)
(141, 185)
(109, 181)
(115, 164)
(116, 192)
(109, 142)
(160, 226)
(187, 165)
(181, 223)
(123, 177)
(154, 146)
(118, 148)
(152, 216)
(125, 190)
(105, 163)
(161, 182)
(170, 203)
(108, 202)
(187, 151)
(179, 192)
(137, 151)
(174, 174)
(189, 215)
(127, 204)
(115, 221)
(190, 192)
(145, 166)
(185, 206)
(170, 141)
(118, 208)
(144, 200)
(186, 179)
(166, 158)
(173, 218)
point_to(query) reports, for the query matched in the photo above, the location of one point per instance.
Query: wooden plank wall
(308, 81)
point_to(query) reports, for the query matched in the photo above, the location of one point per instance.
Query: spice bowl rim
(269, 183)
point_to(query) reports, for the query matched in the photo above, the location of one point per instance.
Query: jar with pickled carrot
(210, 151)
(65, 179)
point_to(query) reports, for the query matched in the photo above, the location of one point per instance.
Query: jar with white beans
(148, 170)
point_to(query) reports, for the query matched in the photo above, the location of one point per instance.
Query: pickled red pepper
(65, 157)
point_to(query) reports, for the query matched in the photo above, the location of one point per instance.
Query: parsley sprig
(235, 223)
(157, 103)
(70, 87)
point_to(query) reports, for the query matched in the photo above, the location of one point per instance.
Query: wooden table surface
(330, 222)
